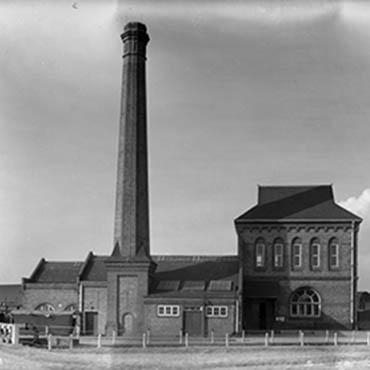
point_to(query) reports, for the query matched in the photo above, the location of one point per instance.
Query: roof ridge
(193, 258)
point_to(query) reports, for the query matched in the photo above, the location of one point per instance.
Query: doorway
(193, 321)
(91, 323)
(259, 314)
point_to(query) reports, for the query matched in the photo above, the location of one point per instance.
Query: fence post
(99, 341)
(272, 334)
(353, 336)
(327, 336)
(186, 340)
(70, 341)
(227, 340)
(266, 339)
(114, 337)
(335, 339)
(144, 340)
(46, 330)
(212, 336)
(243, 335)
(15, 334)
(368, 338)
(49, 342)
(301, 340)
(148, 336)
(180, 337)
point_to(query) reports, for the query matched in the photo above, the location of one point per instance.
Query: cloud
(360, 205)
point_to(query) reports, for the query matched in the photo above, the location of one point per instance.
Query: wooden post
(114, 334)
(15, 334)
(335, 339)
(70, 341)
(148, 336)
(49, 342)
(272, 334)
(46, 330)
(327, 336)
(180, 337)
(186, 340)
(227, 340)
(212, 336)
(99, 341)
(266, 339)
(301, 339)
(353, 336)
(368, 338)
(144, 340)
(243, 335)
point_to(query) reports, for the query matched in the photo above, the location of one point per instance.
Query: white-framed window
(297, 253)
(260, 253)
(45, 307)
(315, 253)
(217, 311)
(305, 302)
(333, 253)
(278, 253)
(165, 310)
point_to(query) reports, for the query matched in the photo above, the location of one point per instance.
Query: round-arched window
(45, 307)
(71, 307)
(305, 302)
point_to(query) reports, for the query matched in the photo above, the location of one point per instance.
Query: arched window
(71, 307)
(297, 253)
(260, 253)
(45, 307)
(305, 302)
(278, 253)
(333, 253)
(315, 253)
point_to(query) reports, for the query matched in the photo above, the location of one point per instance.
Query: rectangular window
(297, 255)
(334, 256)
(278, 255)
(168, 310)
(260, 255)
(216, 311)
(315, 255)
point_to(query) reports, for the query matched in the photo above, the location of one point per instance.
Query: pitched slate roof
(296, 203)
(95, 269)
(11, 294)
(56, 272)
(199, 270)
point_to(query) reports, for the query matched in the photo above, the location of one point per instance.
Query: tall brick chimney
(130, 265)
(131, 227)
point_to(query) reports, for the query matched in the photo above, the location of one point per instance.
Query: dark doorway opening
(193, 321)
(91, 323)
(262, 316)
(259, 314)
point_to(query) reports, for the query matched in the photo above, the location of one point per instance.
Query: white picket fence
(11, 334)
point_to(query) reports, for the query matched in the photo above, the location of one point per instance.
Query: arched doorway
(127, 323)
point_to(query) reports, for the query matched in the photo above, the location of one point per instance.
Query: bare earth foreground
(292, 357)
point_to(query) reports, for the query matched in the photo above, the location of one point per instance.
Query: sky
(240, 93)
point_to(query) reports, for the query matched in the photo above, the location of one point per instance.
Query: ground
(277, 357)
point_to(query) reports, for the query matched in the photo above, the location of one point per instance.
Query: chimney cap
(135, 26)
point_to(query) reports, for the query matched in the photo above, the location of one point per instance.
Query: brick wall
(335, 304)
(162, 326)
(59, 295)
(306, 232)
(171, 326)
(333, 285)
(95, 299)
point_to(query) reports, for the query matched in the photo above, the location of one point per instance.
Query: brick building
(299, 254)
(296, 265)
